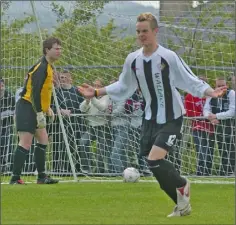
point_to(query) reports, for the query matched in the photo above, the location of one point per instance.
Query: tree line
(204, 39)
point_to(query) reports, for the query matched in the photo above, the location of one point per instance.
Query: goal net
(97, 140)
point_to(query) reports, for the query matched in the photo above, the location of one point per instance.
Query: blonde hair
(148, 17)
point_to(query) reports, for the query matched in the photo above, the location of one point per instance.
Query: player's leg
(20, 154)
(40, 157)
(163, 137)
(175, 186)
(25, 126)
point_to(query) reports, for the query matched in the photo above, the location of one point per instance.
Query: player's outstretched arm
(118, 91)
(89, 92)
(186, 80)
(215, 93)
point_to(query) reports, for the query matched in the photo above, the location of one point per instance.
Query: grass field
(112, 203)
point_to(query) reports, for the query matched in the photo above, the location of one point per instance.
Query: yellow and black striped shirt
(38, 86)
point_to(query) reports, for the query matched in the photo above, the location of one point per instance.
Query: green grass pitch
(112, 203)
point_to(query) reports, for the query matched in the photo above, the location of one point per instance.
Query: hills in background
(124, 13)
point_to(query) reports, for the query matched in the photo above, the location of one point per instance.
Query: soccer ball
(131, 175)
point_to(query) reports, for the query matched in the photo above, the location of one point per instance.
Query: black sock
(40, 158)
(167, 176)
(18, 161)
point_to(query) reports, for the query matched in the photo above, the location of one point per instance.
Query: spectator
(56, 79)
(69, 100)
(233, 82)
(18, 94)
(19, 90)
(136, 104)
(7, 108)
(120, 124)
(220, 112)
(98, 129)
(203, 134)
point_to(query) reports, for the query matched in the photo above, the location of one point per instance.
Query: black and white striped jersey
(157, 76)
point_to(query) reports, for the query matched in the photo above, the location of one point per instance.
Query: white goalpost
(94, 142)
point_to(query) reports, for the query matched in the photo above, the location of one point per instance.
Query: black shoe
(47, 180)
(17, 182)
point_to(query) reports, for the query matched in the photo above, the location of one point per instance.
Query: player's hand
(51, 115)
(218, 92)
(41, 120)
(87, 91)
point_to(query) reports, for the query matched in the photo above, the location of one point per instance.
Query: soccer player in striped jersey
(158, 71)
(31, 110)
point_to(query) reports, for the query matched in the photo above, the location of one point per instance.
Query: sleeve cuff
(203, 89)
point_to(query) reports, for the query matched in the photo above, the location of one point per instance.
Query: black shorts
(26, 120)
(161, 135)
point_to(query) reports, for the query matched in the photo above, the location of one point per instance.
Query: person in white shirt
(158, 71)
(120, 124)
(17, 95)
(221, 112)
(98, 129)
(19, 90)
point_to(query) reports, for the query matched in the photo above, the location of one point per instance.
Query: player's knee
(43, 141)
(26, 144)
(42, 136)
(25, 140)
(157, 153)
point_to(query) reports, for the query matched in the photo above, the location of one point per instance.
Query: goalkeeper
(31, 109)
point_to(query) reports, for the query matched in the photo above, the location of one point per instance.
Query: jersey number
(171, 140)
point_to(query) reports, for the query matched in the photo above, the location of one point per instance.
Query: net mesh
(102, 137)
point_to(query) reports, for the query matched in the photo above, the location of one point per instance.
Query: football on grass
(131, 175)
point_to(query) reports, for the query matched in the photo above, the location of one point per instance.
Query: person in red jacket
(203, 134)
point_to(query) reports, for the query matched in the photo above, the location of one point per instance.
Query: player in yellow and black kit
(31, 111)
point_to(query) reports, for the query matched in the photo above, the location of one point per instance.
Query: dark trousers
(134, 139)
(6, 149)
(59, 151)
(102, 135)
(226, 146)
(204, 144)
